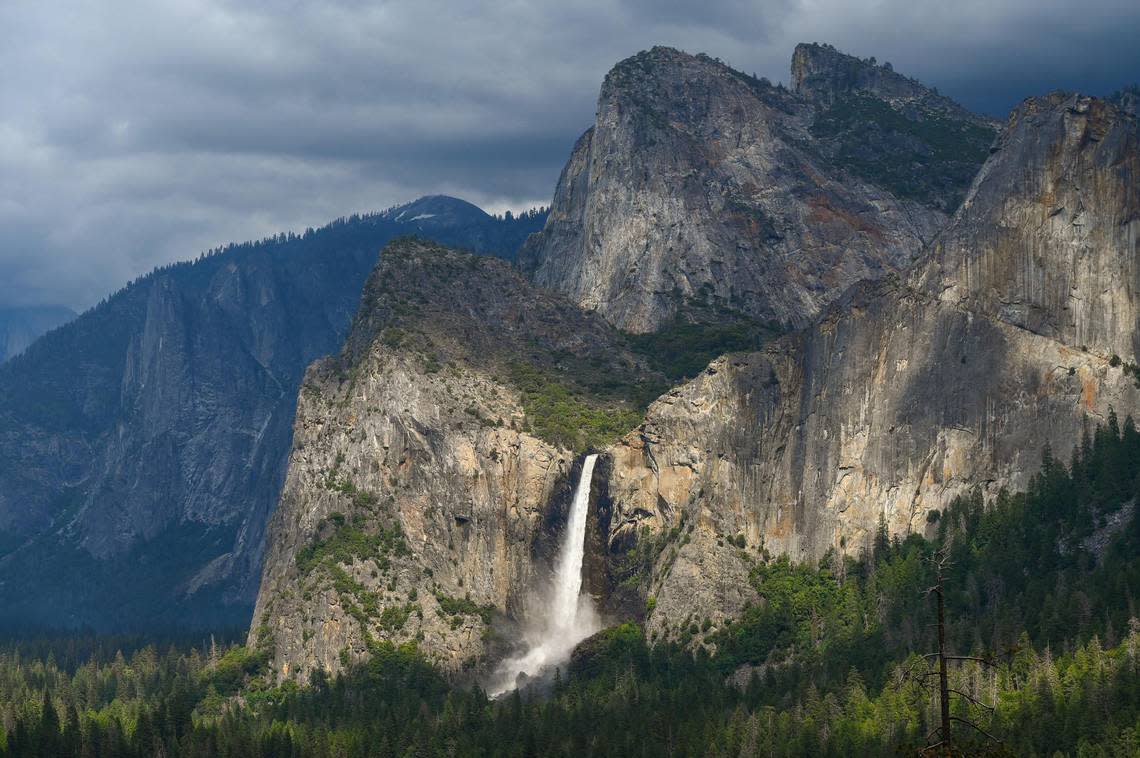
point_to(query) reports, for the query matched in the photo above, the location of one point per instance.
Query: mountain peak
(662, 70)
(437, 207)
(822, 73)
(460, 223)
(825, 75)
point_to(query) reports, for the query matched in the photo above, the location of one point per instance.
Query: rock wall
(908, 392)
(400, 450)
(417, 507)
(701, 186)
(1047, 238)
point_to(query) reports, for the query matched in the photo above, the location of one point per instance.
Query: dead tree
(943, 732)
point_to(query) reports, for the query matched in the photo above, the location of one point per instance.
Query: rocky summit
(703, 188)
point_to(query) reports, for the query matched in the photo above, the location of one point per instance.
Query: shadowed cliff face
(1047, 237)
(418, 505)
(1128, 99)
(824, 74)
(907, 392)
(143, 445)
(700, 187)
(889, 129)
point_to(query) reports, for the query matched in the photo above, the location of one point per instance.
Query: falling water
(569, 616)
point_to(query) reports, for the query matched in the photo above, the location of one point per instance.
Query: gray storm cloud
(135, 133)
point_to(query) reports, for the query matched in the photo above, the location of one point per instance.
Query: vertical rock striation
(1047, 236)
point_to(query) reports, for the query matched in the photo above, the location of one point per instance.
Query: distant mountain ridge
(459, 223)
(20, 327)
(143, 444)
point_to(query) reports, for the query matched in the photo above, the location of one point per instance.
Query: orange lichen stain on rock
(1088, 392)
(822, 212)
(783, 526)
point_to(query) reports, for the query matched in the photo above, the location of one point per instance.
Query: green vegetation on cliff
(560, 413)
(925, 156)
(348, 543)
(682, 348)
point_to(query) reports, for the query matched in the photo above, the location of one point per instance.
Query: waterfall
(568, 578)
(568, 617)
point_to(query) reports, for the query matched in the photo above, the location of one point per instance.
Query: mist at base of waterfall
(567, 617)
(545, 650)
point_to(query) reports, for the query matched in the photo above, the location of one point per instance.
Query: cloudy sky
(137, 132)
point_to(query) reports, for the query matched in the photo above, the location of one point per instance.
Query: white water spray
(569, 616)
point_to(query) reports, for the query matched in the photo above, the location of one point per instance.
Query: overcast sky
(137, 132)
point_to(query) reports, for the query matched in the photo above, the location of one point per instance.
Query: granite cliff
(424, 492)
(700, 189)
(426, 482)
(1017, 330)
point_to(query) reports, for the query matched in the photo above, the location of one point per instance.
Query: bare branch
(986, 661)
(972, 699)
(972, 725)
(971, 658)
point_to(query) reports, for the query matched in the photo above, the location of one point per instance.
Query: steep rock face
(399, 453)
(143, 445)
(1128, 99)
(1045, 238)
(700, 186)
(907, 392)
(417, 507)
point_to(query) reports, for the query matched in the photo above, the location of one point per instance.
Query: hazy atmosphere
(137, 133)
